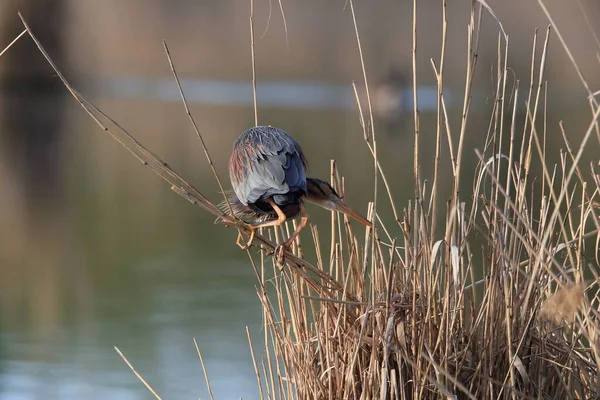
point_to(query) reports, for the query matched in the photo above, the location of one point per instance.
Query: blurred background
(96, 251)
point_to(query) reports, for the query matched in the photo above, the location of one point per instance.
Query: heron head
(320, 192)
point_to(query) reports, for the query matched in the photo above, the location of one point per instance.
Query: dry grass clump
(495, 306)
(412, 320)
(480, 294)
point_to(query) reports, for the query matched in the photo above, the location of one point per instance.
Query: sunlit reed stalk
(15, 40)
(195, 126)
(253, 57)
(204, 371)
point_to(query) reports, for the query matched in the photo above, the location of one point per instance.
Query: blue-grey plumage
(267, 163)
(267, 169)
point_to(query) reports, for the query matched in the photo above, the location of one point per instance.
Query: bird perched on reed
(267, 169)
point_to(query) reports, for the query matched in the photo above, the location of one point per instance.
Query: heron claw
(279, 253)
(245, 246)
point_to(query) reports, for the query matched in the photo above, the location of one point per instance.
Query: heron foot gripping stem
(245, 246)
(279, 253)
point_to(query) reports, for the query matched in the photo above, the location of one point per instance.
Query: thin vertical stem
(253, 62)
(440, 116)
(415, 99)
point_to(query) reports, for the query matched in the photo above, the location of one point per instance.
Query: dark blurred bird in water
(268, 174)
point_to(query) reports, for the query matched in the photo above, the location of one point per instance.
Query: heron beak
(339, 205)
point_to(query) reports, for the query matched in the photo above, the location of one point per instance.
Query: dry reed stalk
(15, 40)
(204, 371)
(252, 53)
(139, 376)
(495, 307)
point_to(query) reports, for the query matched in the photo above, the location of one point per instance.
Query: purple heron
(267, 169)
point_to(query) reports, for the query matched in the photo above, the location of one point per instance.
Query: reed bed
(488, 292)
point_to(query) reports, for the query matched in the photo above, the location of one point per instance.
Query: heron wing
(266, 162)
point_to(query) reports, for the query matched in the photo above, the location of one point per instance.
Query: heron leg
(244, 246)
(281, 218)
(280, 250)
(301, 225)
